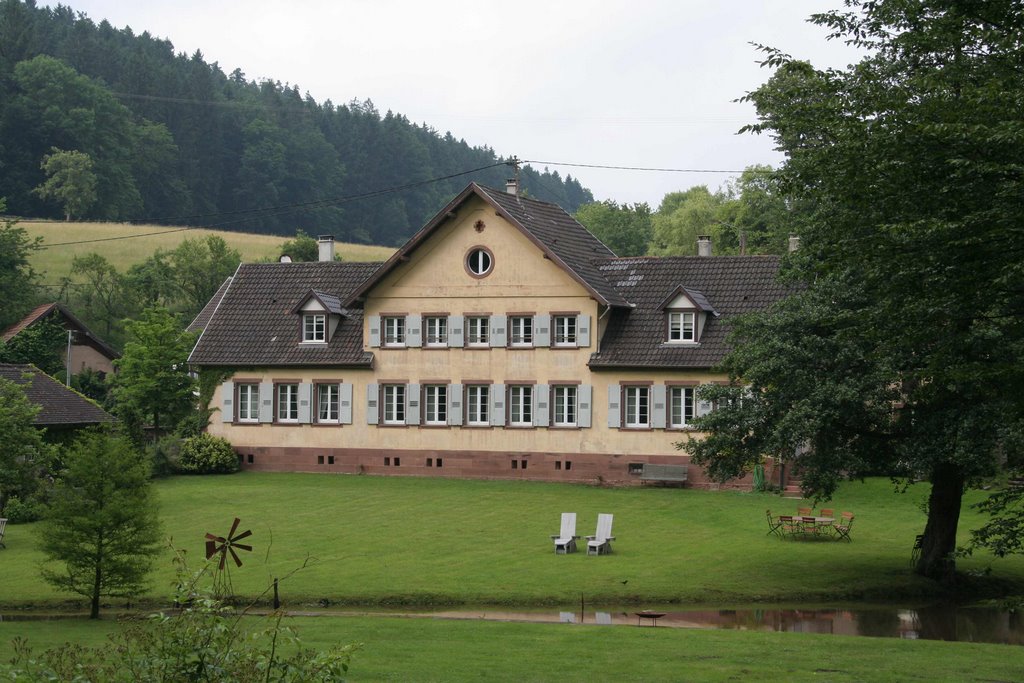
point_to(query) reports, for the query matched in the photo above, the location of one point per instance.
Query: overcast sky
(605, 82)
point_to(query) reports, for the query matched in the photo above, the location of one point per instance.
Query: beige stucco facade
(435, 281)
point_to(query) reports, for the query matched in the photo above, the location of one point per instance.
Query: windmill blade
(238, 562)
(219, 539)
(245, 534)
(242, 546)
(211, 549)
(233, 527)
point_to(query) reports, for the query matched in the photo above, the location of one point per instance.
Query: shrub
(164, 454)
(20, 511)
(205, 454)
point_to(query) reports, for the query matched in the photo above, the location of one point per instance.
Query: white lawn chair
(565, 541)
(3, 525)
(600, 542)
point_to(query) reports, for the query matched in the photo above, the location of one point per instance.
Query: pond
(977, 624)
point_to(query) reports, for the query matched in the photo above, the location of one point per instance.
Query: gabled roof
(60, 406)
(254, 325)
(562, 239)
(70, 321)
(694, 295)
(637, 337)
(200, 322)
(330, 302)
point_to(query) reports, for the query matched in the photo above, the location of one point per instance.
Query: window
(476, 327)
(327, 401)
(479, 262)
(394, 330)
(394, 404)
(520, 402)
(563, 401)
(565, 330)
(681, 407)
(477, 396)
(436, 328)
(435, 402)
(638, 403)
(314, 327)
(248, 402)
(682, 326)
(520, 330)
(287, 402)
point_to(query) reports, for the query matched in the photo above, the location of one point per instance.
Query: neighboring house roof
(254, 324)
(70, 322)
(203, 319)
(60, 406)
(556, 233)
(727, 285)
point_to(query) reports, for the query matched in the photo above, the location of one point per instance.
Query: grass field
(412, 541)
(55, 262)
(396, 649)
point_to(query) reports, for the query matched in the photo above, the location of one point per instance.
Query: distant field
(55, 262)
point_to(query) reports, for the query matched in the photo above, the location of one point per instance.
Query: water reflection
(940, 622)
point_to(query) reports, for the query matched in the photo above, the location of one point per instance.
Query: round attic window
(479, 261)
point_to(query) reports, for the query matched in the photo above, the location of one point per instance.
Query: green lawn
(396, 649)
(394, 540)
(123, 253)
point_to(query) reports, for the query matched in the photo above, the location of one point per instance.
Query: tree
(103, 524)
(153, 382)
(24, 454)
(17, 278)
(200, 267)
(42, 345)
(626, 229)
(681, 218)
(302, 249)
(103, 298)
(70, 180)
(901, 350)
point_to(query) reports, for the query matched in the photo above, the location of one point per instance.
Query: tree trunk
(939, 543)
(94, 608)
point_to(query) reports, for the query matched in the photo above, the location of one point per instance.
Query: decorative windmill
(223, 545)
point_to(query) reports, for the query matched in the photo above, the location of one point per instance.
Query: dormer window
(314, 327)
(682, 326)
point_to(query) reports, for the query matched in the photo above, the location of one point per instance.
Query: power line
(631, 168)
(275, 210)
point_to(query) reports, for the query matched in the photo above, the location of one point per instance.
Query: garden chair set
(598, 544)
(805, 524)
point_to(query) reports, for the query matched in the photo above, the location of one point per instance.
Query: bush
(20, 511)
(205, 454)
(164, 454)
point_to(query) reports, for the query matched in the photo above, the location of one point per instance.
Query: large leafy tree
(70, 181)
(902, 350)
(17, 278)
(200, 267)
(103, 525)
(24, 454)
(626, 229)
(153, 384)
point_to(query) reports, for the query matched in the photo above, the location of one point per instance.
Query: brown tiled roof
(60, 406)
(730, 284)
(203, 319)
(555, 232)
(70, 321)
(254, 325)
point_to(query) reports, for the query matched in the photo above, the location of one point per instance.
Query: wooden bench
(664, 473)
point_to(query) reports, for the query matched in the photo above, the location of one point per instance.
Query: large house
(503, 340)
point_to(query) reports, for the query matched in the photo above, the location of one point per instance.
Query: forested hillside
(169, 138)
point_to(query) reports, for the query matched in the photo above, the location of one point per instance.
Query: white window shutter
(267, 401)
(412, 404)
(227, 402)
(455, 404)
(345, 404)
(456, 335)
(414, 330)
(659, 411)
(372, 404)
(542, 330)
(499, 329)
(374, 330)
(497, 404)
(305, 402)
(584, 397)
(583, 331)
(541, 407)
(614, 413)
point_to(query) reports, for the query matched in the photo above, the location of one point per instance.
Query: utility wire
(249, 214)
(631, 168)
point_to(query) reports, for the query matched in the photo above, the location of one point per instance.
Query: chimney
(703, 245)
(794, 243)
(326, 243)
(512, 186)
